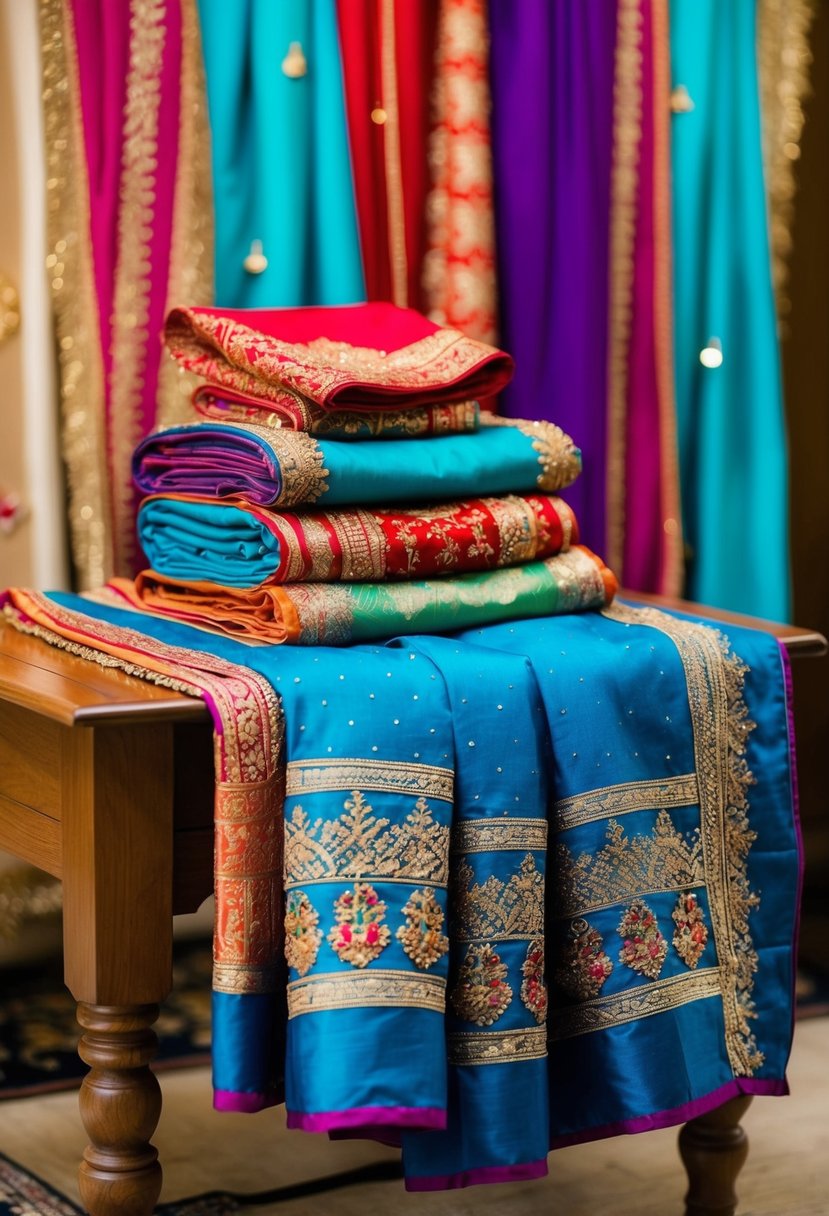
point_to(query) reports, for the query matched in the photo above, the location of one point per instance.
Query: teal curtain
(730, 418)
(281, 164)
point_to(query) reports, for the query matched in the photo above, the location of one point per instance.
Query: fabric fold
(236, 545)
(286, 468)
(363, 356)
(334, 614)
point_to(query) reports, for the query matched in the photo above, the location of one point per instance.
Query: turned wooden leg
(713, 1149)
(120, 1103)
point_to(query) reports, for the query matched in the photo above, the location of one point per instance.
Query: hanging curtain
(129, 229)
(388, 58)
(583, 257)
(731, 431)
(286, 228)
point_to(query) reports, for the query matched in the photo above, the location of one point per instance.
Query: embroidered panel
(499, 834)
(311, 776)
(359, 936)
(375, 988)
(481, 994)
(584, 964)
(644, 949)
(499, 909)
(302, 935)
(640, 1002)
(497, 1046)
(613, 800)
(421, 936)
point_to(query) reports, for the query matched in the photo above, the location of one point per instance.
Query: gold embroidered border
(613, 800)
(579, 580)
(238, 979)
(133, 270)
(386, 776)
(715, 678)
(363, 544)
(191, 245)
(624, 182)
(497, 1046)
(70, 267)
(558, 456)
(499, 909)
(300, 459)
(601, 1013)
(499, 835)
(374, 989)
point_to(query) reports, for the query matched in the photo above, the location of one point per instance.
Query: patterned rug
(22, 1193)
(39, 1033)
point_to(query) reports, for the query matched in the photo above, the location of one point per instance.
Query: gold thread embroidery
(363, 544)
(481, 994)
(300, 460)
(388, 776)
(497, 1046)
(374, 989)
(359, 936)
(558, 456)
(303, 938)
(644, 1001)
(452, 419)
(533, 987)
(70, 266)
(584, 964)
(499, 909)
(691, 934)
(715, 677)
(659, 793)
(662, 860)
(421, 936)
(644, 949)
(500, 834)
(358, 843)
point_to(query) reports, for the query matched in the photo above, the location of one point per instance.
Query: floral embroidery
(585, 966)
(421, 936)
(691, 934)
(644, 947)
(533, 988)
(359, 935)
(482, 993)
(302, 937)
(498, 908)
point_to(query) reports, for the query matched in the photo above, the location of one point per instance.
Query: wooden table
(106, 782)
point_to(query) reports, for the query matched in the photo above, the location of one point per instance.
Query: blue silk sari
(421, 780)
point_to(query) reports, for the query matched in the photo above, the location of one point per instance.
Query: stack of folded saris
(268, 517)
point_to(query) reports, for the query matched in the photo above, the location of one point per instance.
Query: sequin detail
(359, 935)
(497, 908)
(585, 965)
(421, 936)
(691, 933)
(644, 948)
(482, 993)
(302, 937)
(533, 987)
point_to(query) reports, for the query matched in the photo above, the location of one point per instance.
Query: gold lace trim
(715, 677)
(387, 776)
(497, 1046)
(374, 989)
(662, 860)
(644, 1001)
(498, 909)
(300, 459)
(662, 792)
(358, 844)
(558, 456)
(499, 835)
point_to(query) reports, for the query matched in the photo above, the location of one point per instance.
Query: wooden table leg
(714, 1148)
(117, 876)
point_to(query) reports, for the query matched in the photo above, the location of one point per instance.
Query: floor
(629, 1176)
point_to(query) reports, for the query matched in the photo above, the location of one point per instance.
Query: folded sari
(296, 413)
(364, 356)
(333, 614)
(283, 468)
(237, 545)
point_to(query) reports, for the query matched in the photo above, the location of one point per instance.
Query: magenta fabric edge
(421, 1118)
(525, 1172)
(242, 1103)
(777, 1087)
(788, 689)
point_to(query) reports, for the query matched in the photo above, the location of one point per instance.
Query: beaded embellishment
(482, 993)
(421, 936)
(691, 934)
(585, 965)
(302, 937)
(533, 988)
(359, 935)
(644, 948)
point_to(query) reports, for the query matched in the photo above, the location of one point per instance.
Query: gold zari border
(499, 835)
(366, 989)
(497, 1046)
(642, 1002)
(384, 776)
(614, 800)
